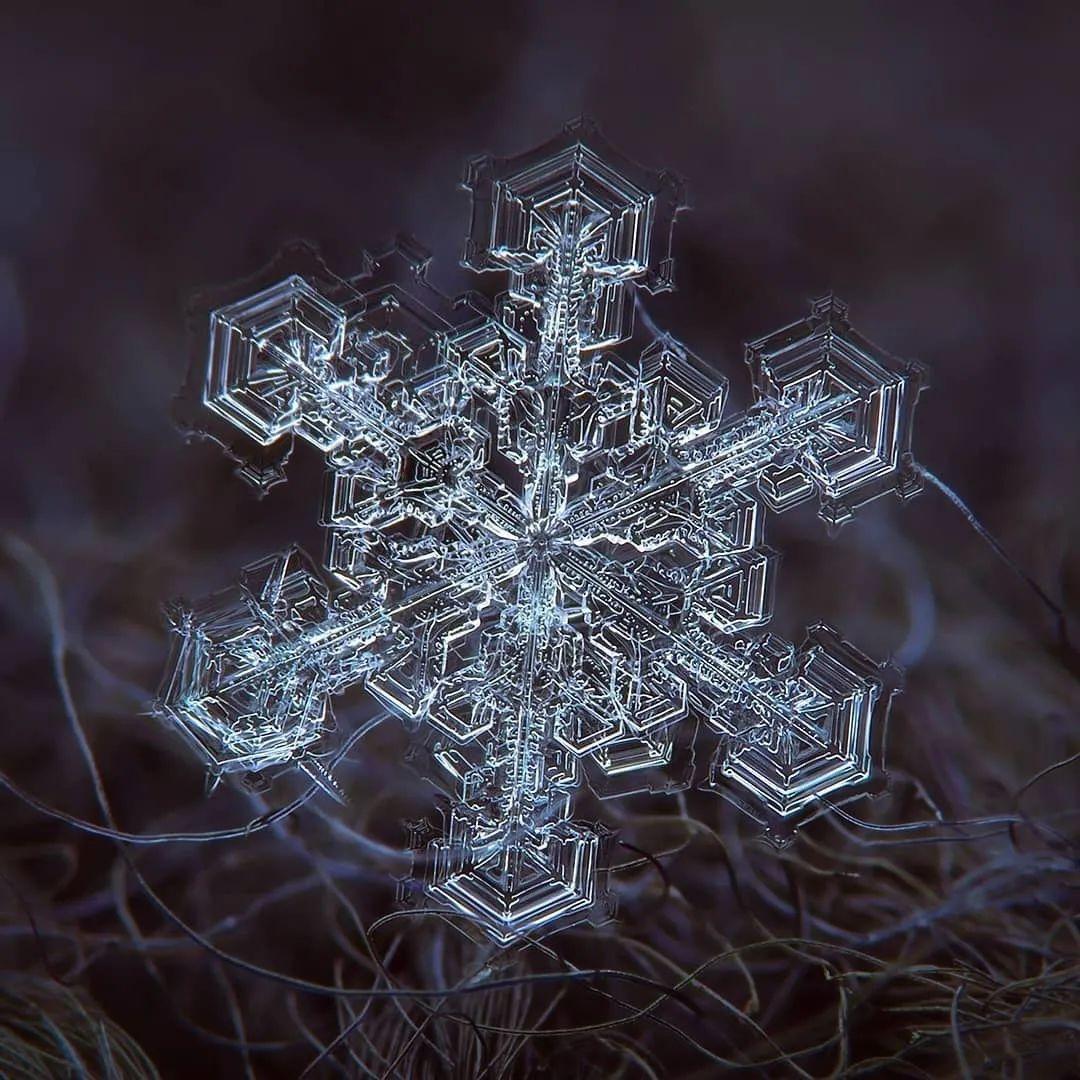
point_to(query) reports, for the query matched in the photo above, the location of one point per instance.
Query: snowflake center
(544, 540)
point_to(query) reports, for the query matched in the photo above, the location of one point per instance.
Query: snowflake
(546, 556)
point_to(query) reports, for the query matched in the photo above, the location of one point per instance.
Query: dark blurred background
(921, 160)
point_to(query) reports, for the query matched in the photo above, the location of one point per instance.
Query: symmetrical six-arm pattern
(546, 556)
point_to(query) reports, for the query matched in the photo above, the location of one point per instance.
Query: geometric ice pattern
(544, 538)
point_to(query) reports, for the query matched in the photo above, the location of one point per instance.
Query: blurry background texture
(921, 160)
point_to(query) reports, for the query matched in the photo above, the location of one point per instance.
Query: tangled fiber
(48, 1030)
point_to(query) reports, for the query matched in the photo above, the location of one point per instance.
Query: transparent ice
(545, 555)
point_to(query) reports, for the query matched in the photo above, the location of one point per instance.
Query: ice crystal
(545, 555)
